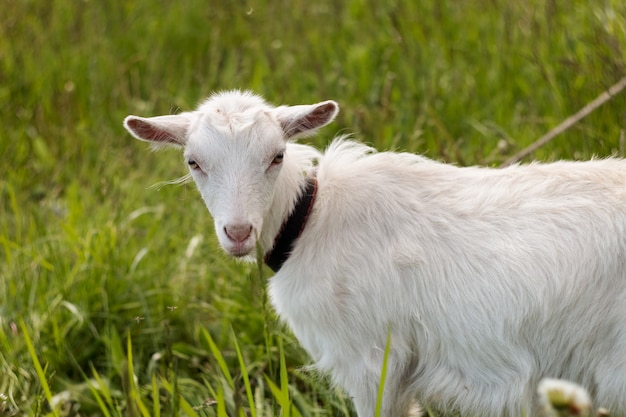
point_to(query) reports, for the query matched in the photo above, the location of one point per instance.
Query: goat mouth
(239, 250)
(239, 254)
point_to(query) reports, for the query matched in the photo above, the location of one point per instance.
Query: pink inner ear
(150, 132)
(316, 118)
(319, 116)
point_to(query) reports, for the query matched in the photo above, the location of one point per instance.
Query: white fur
(488, 279)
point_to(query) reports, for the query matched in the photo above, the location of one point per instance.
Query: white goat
(488, 279)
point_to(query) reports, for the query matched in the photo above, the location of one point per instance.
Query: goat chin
(242, 251)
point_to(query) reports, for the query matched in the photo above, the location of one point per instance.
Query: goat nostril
(238, 232)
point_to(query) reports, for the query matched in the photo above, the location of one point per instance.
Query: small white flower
(60, 399)
(561, 398)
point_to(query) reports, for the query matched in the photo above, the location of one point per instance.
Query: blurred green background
(96, 266)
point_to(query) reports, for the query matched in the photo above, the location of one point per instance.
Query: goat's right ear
(159, 130)
(304, 120)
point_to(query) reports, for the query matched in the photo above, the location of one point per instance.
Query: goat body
(488, 279)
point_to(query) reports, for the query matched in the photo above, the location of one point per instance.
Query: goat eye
(193, 164)
(278, 158)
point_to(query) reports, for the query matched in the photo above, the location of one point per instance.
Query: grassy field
(114, 297)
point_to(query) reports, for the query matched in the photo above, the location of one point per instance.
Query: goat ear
(304, 120)
(160, 130)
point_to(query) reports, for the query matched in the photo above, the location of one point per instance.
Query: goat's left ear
(304, 120)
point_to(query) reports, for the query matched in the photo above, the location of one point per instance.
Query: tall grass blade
(218, 357)
(246, 379)
(383, 375)
(103, 407)
(40, 372)
(221, 402)
(279, 394)
(267, 320)
(282, 394)
(96, 394)
(102, 387)
(133, 393)
(284, 381)
(186, 407)
(156, 404)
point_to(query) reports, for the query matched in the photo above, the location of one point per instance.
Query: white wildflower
(561, 398)
(59, 400)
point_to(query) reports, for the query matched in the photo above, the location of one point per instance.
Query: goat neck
(292, 227)
(294, 182)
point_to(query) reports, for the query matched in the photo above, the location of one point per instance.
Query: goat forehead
(218, 143)
(235, 111)
(251, 124)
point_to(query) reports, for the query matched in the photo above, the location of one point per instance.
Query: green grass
(116, 294)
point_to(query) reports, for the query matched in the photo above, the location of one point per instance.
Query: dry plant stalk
(569, 122)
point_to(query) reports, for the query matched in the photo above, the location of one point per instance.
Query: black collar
(292, 227)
